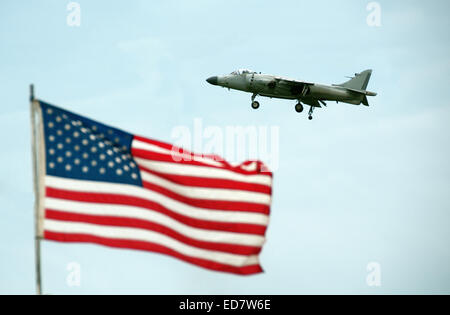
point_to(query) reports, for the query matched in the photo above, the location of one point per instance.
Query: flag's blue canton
(81, 148)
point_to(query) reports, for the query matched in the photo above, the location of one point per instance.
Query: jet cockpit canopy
(242, 71)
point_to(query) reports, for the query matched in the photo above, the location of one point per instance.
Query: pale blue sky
(355, 185)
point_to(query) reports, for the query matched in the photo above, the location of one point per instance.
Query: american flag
(106, 186)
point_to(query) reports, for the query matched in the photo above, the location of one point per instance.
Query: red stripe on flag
(151, 205)
(210, 182)
(225, 165)
(151, 226)
(210, 204)
(140, 245)
(176, 149)
(156, 156)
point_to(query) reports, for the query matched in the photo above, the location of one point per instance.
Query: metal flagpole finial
(31, 92)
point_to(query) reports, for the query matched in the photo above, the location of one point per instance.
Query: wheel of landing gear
(310, 117)
(255, 105)
(299, 108)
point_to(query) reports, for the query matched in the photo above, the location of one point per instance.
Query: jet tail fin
(359, 82)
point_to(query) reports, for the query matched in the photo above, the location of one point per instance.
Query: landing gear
(255, 104)
(311, 110)
(299, 107)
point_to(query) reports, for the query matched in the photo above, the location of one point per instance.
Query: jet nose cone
(212, 80)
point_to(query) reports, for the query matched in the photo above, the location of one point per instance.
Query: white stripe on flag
(133, 212)
(171, 204)
(154, 148)
(208, 193)
(133, 234)
(202, 171)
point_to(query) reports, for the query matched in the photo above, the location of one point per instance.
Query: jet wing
(295, 87)
(292, 81)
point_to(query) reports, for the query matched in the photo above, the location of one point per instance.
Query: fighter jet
(308, 93)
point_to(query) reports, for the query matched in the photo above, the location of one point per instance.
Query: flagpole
(37, 239)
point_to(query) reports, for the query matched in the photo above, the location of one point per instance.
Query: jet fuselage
(312, 94)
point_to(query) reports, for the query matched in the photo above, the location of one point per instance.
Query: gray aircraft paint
(312, 94)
